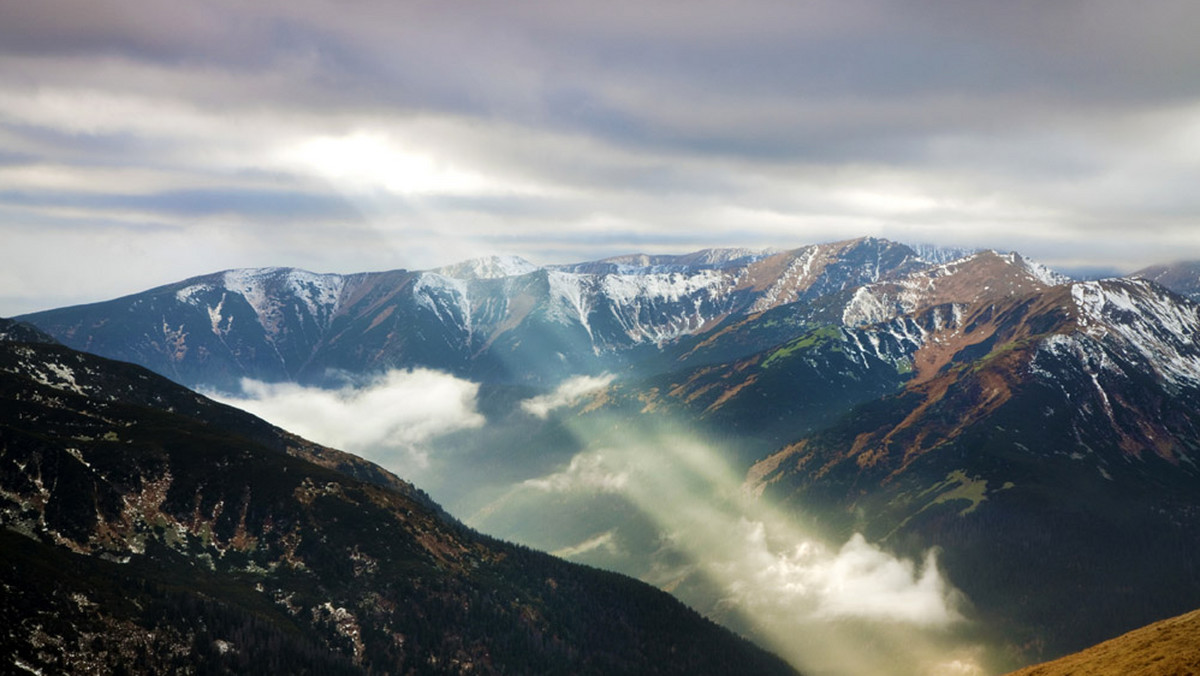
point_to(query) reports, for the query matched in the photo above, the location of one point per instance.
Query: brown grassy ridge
(1170, 647)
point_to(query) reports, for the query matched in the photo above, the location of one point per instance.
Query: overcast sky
(145, 142)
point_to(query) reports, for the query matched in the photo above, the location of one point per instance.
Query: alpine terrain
(1038, 435)
(494, 320)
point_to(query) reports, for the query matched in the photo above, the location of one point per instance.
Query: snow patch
(572, 302)
(318, 294)
(187, 294)
(1042, 273)
(446, 297)
(1143, 323)
(490, 267)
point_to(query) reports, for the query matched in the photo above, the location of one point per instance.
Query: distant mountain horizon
(489, 318)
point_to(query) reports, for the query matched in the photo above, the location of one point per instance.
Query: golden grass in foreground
(1170, 647)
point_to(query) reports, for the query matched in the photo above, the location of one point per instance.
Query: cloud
(842, 608)
(390, 419)
(587, 472)
(605, 541)
(859, 581)
(569, 393)
(562, 132)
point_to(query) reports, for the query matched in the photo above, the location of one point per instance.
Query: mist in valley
(648, 497)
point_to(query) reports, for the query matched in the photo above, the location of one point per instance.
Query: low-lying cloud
(390, 419)
(567, 394)
(859, 581)
(651, 502)
(838, 609)
(588, 472)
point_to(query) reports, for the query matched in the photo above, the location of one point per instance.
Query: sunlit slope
(1040, 433)
(1167, 648)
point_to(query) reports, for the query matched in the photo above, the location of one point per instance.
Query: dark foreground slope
(149, 530)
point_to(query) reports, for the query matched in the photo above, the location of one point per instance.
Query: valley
(865, 457)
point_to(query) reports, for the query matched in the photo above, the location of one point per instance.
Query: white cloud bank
(849, 609)
(389, 420)
(859, 581)
(567, 394)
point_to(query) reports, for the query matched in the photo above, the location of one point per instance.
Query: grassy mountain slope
(1169, 647)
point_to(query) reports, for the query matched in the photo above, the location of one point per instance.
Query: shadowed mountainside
(150, 530)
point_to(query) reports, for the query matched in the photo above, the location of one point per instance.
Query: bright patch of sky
(144, 143)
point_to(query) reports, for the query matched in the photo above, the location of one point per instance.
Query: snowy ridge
(931, 253)
(260, 287)
(319, 293)
(569, 301)
(279, 322)
(446, 297)
(658, 307)
(670, 287)
(267, 291)
(1145, 322)
(489, 267)
(798, 275)
(896, 340)
(878, 303)
(1040, 272)
(963, 280)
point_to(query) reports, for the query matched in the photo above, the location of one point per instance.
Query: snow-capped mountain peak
(488, 267)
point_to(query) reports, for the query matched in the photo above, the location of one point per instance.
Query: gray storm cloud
(410, 134)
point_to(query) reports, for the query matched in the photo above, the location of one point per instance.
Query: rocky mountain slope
(810, 363)
(1045, 440)
(1165, 648)
(495, 320)
(150, 530)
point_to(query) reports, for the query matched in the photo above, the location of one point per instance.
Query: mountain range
(494, 320)
(1039, 433)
